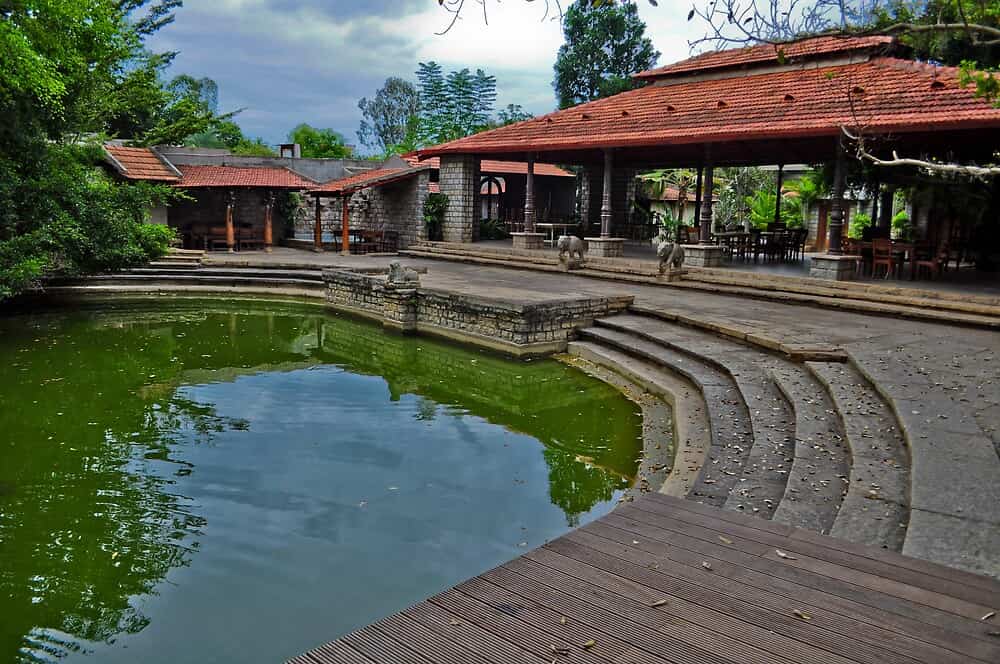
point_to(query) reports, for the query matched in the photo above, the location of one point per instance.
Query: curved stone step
(764, 474)
(692, 431)
(731, 432)
(822, 463)
(875, 510)
(197, 279)
(242, 272)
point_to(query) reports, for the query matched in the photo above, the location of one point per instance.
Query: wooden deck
(667, 580)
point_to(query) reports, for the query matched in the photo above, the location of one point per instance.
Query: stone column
(459, 182)
(833, 264)
(230, 226)
(529, 239)
(399, 308)
(704, 254)
(697, 198)
(836, 217)
(318, 227)
(885, 211)
(268, 227)
(606, 212)
(705, 234)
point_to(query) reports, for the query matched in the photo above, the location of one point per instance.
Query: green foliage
(386, 117)
(809, 188)
(434, 208)
(859, 222)
(901, 227)
(683, 180)
(71, 68)
(492, 229)
(735, 185)
(252, 148)
(289, 207)
(319, 143)
(760, 207)
(604, 45)
(453, 106)
(987, 85)
(511, 114)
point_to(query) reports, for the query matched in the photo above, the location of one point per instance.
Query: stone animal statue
(669, 253)
(402, 276)
(572, 247)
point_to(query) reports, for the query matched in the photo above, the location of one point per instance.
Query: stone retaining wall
(520, 329)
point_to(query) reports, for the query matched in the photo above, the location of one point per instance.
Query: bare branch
(944, 168)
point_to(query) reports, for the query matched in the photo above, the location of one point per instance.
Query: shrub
(858, 224)
(434, 208)
(902, 229)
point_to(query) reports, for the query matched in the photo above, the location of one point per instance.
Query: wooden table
(668, 581)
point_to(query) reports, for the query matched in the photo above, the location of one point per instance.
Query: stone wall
(396, 207)
(459, 181)
(521, 329)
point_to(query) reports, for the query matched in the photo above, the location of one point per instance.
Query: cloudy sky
(291, 61)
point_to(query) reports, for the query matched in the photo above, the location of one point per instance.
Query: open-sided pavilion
(766, 104)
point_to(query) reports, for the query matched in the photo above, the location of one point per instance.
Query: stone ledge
(605, 247)
(835, 267)
(702, 255)
(528, 240)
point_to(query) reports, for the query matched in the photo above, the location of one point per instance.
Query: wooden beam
(529, 197)
(606, 212)
(230, 226)
(777, 198)
(268, 228)
(318, 228)
(836, 216)
(345, 225)
(705, 235)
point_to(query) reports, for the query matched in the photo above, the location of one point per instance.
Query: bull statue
(670, 254)
(402, 277)
(571, 249)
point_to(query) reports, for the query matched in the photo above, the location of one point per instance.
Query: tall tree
(605, 44)
(385, 117)
(319, 143)
(455, 105)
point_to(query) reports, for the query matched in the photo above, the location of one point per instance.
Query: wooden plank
(857, 639)
(601, 620)
(724, 617)
(554, 623)
(381, 647)
(337, 652)
(872, 597)
(922, 589)
(857, 618)
(588, 585)
(959, 581)
(426, 642)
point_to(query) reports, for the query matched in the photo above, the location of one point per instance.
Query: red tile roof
(375, 177)
(764, 53)
(197, 177)
(139, 164)
(888, 95)
(495, 167)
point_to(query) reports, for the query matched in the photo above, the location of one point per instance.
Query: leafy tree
(455, 105)
(683, 180)
(252, 148)
(604, 45)
(511, 114)
(385, 118)
(63, 62)
(735, 186)
(319, 143)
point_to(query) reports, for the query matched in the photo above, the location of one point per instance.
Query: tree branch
(969, 170)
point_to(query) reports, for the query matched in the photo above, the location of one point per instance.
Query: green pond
(226, 480)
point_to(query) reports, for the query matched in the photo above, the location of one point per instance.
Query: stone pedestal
(605, 247)
(673, 274)
(702, 255)
(838, 268)
(399, 309)
(528, 240)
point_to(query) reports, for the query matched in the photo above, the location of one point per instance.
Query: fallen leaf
(562, 620)
(455, 623)
(782, 554)
(589, 644)
(705, 564)
(989, 615)
(559, 651)
(725, 540)
(800, 614)
(659, 602)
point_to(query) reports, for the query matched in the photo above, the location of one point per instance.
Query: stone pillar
(885, 211)
(705, 235)
(318, 227)
(529, 239)
(697, 198)
(459, 182)
(606, 211)
(230, 226)
(836, 216)
(606, 246)
(268, 226)
(833, 264)
(345, 225)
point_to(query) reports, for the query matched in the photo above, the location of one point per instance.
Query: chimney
(290, 150)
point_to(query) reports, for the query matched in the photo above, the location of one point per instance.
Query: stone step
(197, 279)
(822, 462)
(692, 430)
(729, 420)
(764, 476)
(876, 507)
(171, 271)
(951, 312)
(185, 252)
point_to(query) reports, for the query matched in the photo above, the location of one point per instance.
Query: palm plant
(683, 180)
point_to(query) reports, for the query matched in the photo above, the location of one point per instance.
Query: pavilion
(762, 105)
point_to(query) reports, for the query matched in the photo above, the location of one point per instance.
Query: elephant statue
(670, 254)
(571, 249)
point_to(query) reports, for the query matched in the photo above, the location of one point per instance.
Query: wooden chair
(882, 254)
(934, 262)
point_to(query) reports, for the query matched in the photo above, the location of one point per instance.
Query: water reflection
(155, 456)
